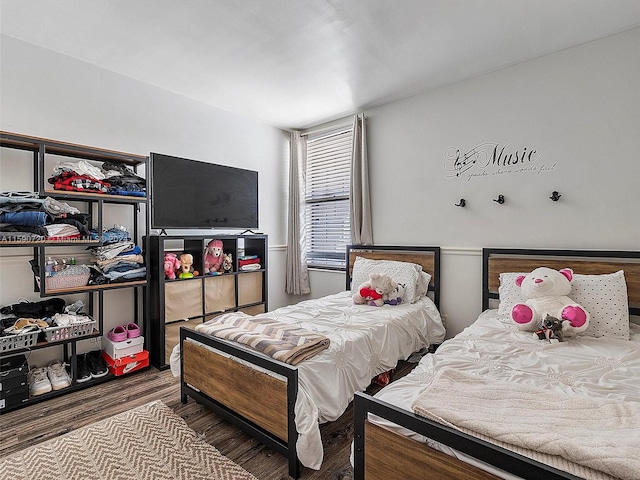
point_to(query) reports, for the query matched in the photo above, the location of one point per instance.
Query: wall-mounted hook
(555, 196)
(500, 199)
(462, 203)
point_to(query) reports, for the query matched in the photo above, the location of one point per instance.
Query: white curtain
(360, 199)
(297, 279)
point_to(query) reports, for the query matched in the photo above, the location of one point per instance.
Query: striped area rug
(149, 442)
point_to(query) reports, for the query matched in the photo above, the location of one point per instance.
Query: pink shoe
(133, 330)
(117, 334)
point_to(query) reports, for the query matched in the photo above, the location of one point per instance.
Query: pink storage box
(126, 348)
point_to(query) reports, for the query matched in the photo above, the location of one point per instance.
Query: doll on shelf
(186, 269)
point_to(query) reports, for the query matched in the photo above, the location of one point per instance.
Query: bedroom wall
(578, 109)
(49, 95)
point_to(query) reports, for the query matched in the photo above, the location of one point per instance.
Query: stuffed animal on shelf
(186, 269)
(213, 257)
(550, 328)
(171, 264)
(546, 292)
(375, 291)
(395, 297)
(227, 263)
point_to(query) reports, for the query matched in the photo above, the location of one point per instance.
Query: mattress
(365, 341)
(493, 347)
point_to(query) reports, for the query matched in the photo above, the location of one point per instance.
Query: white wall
(579, 109)
(49, 95)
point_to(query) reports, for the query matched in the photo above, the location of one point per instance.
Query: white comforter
(365, 341)
(493, 348)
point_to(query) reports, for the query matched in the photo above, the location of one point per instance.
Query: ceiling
(298, 63)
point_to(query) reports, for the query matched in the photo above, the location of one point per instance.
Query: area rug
(146, 443)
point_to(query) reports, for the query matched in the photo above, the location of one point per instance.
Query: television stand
(252, 232)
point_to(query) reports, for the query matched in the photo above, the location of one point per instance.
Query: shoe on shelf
(58, 375)
(117, 334)
(83, 374)
(39, 382)
(96, 364)
(133, 330)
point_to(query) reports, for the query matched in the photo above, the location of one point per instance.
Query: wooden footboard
(382, 454)
(257, 402)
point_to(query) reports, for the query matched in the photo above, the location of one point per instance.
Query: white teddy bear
(546, 290)
(375, 291)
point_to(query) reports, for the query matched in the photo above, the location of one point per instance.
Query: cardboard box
(124, 365)
(127, 347)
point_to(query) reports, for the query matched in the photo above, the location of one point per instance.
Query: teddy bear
(213, 257)
(171, 264)
(227, 263)
(395, 297)
(375, 291)
(546, 292)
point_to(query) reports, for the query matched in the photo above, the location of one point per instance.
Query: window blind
(327, 197)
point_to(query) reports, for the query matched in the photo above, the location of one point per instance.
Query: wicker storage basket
(22, 340)
(57, 282)
(71, 331)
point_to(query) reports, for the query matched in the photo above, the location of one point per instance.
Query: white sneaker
(39, 382)
(58, 375)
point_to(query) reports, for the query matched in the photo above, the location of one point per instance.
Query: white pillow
(422, 288)
(509, 292)
(603, 296)
(401, 272)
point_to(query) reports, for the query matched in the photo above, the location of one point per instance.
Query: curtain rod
(325, 130)
(337, 126)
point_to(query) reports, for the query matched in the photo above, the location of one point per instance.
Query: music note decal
(493, 159)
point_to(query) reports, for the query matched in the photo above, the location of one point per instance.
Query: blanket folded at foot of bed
(598, 433)
(281, 341)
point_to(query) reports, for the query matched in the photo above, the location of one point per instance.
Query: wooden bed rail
(392, 453)
(219, 387)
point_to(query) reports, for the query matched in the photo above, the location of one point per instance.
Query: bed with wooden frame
(381, 452)
(258, 393)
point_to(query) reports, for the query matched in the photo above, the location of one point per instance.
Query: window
(328, 175)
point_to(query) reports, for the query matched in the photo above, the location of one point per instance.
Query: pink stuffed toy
(213, 257)
(546, 292)
(171, 264)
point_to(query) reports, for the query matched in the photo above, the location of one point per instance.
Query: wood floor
(48, 419)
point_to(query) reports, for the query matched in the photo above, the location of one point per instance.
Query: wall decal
(493, 159)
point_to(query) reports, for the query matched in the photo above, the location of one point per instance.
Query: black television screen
(193, 194)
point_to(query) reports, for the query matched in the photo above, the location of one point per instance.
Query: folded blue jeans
(29, 218)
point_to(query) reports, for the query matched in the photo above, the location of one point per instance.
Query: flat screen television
(193, 194)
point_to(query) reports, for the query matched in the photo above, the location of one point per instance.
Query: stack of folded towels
(249, 262)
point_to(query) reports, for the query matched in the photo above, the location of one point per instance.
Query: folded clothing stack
(249, 262)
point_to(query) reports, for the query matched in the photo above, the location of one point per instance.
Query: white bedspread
(365, 341)
(600, 369)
